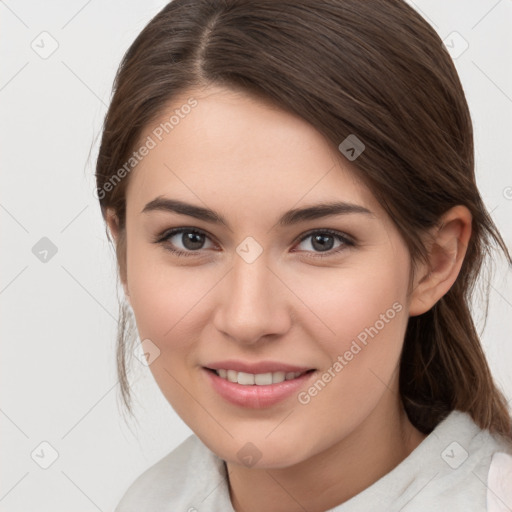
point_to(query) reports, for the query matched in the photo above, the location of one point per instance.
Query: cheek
(165, 301)
(168, 300)
(364, 310)
(169, 304)
(367, 312)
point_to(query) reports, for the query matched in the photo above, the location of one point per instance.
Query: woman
(291, 191)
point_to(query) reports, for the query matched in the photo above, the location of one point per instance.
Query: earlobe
(447, 246)
(112, 222)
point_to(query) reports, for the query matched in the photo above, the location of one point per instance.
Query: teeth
(259, 379)
(278, 377)
(247, 379)
(263, 379)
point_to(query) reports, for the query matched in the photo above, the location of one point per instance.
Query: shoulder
(483, 461)
(499, 483)
(458, 467)
(177, 479)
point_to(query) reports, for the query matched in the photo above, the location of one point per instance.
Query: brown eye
(192, 241)
(185, 240)
(325, 241)
(322, 242)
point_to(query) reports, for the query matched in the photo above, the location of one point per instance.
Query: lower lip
(256, 397)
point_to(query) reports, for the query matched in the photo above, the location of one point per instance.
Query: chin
(256, 452)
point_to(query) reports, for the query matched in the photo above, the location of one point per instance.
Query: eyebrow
(289, 218)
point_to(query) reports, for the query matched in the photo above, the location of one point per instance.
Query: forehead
(232, 149)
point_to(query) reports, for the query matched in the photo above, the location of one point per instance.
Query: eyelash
(343, 238)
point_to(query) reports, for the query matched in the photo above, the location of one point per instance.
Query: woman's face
(267, 285)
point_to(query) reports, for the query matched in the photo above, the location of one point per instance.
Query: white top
(457, 467)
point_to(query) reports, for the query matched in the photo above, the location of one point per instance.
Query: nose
(252, 303)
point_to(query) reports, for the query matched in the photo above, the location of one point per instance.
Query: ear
(112, 221)
(447, 245)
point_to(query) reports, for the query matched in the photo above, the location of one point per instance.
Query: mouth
(257, 379)
(266, 385)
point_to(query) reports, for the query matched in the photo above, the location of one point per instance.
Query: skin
(251, 162)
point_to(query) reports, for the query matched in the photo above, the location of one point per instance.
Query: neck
(333, 476)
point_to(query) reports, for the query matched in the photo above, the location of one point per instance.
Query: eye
(324, 241)
(188, 241)
(185, 241)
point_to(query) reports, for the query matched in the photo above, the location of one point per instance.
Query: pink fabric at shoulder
(499, 483)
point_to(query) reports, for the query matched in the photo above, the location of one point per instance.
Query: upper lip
(257, 367)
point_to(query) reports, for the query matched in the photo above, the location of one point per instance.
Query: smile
(258, 379)
(266, 385)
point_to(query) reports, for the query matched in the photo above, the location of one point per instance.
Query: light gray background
(58, 380)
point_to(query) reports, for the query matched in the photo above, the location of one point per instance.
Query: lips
(263, 373)
(256, 385)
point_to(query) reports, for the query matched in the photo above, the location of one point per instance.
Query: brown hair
(375, 69)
